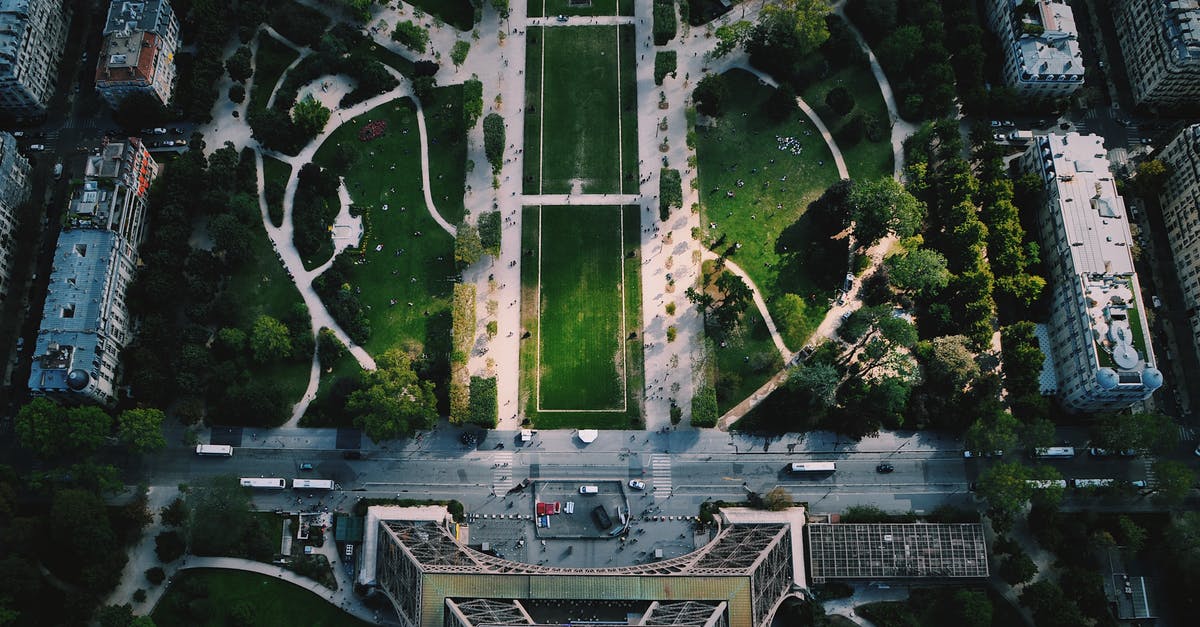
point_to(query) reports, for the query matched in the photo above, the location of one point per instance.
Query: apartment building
(1180, 201)
(14, 192)
(32, 36)
(1040, 44)
(1098, 335)
(138, 52)
(1160, 42)
(85, 324)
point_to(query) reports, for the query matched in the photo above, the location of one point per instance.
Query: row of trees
(908, 37)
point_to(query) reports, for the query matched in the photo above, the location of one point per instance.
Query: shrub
(459, 54)
(664, 21)
(155, 575)
(664, 63)
(168, 546)
(483, 404)
(670, 191)
(462, 336)
(411, 36)
(704, 407)
(840, 101)
(711, 94)
(472, 101)
(238, 65)
(489, 232)
(237, 93)
(493, 140)
(671, 333)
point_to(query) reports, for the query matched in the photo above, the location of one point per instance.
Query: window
(68, 311)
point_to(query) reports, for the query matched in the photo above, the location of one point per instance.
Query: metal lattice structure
(685, 614)
(744, 570)
(876, 551)
(472, 612)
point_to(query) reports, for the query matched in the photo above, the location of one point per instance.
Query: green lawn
(746, 360)
(457, 13)
(384, 55)
(865, 159)
(327, 408)
(387, 171)
(543, 8)
(581, 323)
(210, 597)
(447, 151)
(583, 101)
(764, 216)
(270, 61)
(275, 172)
(583, 334)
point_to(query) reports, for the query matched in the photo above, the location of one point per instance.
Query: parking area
(578, 515)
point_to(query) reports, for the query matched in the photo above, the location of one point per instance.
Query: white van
(589, 489)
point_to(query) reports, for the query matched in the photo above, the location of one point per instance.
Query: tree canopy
(141, 429)
(883, 207)
(393, 400)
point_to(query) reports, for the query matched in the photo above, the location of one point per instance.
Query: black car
(884, 468)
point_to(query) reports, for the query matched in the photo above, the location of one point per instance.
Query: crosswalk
(660, 476)
(502, 472)
(1187, 434)
(1148, 464)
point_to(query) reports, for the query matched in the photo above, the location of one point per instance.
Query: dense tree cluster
(472, 101)
(411, 36)
(314, 208)
(392, 400)
(664, 21)
(489, 232)
(341, 299)
(493, 140)
(665, 62)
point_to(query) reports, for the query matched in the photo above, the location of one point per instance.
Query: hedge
(493, 140)
(670, 192)
(704, 407)
(664, 21)
(483, 404)
(489, 232)
(462, 337)
(664, 63)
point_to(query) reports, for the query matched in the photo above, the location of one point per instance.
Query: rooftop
(887, 550)
(1182, 28)
(1052, 54)
(146, 15)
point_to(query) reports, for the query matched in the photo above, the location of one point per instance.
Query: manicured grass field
(586, 357)
(746, 361)
(581, 325)
(422, 274)
(866, 159)
(765, 214)
(544, 8)
(270, 61)
(457, 13)
(581, 114)
(275, 172)
(271, 602)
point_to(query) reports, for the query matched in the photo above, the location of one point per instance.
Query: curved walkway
(758, 302)
(437, 216)
(344, 598)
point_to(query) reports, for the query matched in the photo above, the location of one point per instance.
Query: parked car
(997, 124)
(637, 485)
(884, 468)
(1099, 452)
(306, 466)
(998, 137)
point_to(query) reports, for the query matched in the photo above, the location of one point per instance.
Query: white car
(637, 485)
(36, 147)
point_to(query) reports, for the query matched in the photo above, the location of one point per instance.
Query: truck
(803, 467)
(214, 450)
(265, 483)
(1020, 136)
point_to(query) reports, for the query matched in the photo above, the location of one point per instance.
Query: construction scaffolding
(886, 550)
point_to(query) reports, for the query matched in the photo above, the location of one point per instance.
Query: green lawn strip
(421, 275)
(764, 216)
(631, 417)
(629, 113)
(275, 172)
(746, 360)
(447, 151)
(580, 110)
(272, 602)
(270, 61)
(533, 110)
(370, 48)
(262, 286)
(551, 8)
(580, 267)
(457, 13)
(866, 159)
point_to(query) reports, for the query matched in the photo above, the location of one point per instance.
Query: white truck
(1020, 136)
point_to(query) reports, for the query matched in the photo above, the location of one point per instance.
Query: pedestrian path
(437, 216)
(581, 199)
(758, 302)
(502, 479)
(660, 476)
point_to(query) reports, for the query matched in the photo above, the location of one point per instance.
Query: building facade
(1040, 44)
(32, 36)
(14, 192)
(1160, 42)
(1099, 337)
(1180, 200)
(85, 324)
(138, 52)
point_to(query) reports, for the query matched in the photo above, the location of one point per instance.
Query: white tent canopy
(587, 436)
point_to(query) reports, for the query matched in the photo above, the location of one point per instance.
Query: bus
(214, 450)
(271, 483)
(312, 484)
(801, 467)
(1054, 452)
(1042, 484)
(1091, 483)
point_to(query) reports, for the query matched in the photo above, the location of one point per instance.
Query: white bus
(266, 483)
(1091, 483)
(799, 467)
(1042, 484)
(1054, 452)
(214, 450)
(312, 484)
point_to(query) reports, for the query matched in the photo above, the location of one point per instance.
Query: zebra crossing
(1148, 464)
(660, 476)
(1187, 434)
(502, 479)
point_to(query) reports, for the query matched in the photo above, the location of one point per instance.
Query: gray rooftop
(1182, 28)
(1093, 213)
(146, 15)
(887, 550)
(1053, 55)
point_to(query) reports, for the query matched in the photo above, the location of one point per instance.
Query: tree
(310, 116)
(411, 36)
(972, 608)
(1017, 568)
(997, 431)
(1038, 433)
(804, 18)
(468, 248)
(493, 140)
(458, 55)
(423, 87)
(141, 429)
(950, 363)
(818, 382)
(1133, 535)
(223, 521)
(1050, 607)
(155, 575)
(881, 207)
(735, 298)
(175, 513)
(777, 499)
(393, 400)
(472, 101)
(1148, 432)
(1151, 176)
(1005, 487)
(270, 339)
(237, 93)
(40, 426)
(781, 104)
(1173, 481)
(238, 65)
(664, 26)
(731, 37)
(115, 615)
(921, 271)
(840, 101)
(169, 546)
(82, 546)
(139, 110)
(711, 95)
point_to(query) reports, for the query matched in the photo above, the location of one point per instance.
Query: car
(349, 550)
(884, 468)
(999, 137)
(561, 18)
(846, 315)
(1099, 452)
(36, 147)
(1156, 301)
(995, 453)
(1128, 452)
(997, 124)
(181, 142)
(637, 485)
(969, 454)
(1008, 123)
(1147, 141)
(18, 133)
(589, 489)
(306, 466)
(1138, 484)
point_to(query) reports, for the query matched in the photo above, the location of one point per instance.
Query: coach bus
(1091, 483)
(803, 467)
(1042, 484)
(214, 450)
(312, 484)
(265, 483)
(1054, 452)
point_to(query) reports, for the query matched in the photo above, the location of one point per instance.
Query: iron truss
(735, 551)
(685, 614)
(471, 612)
